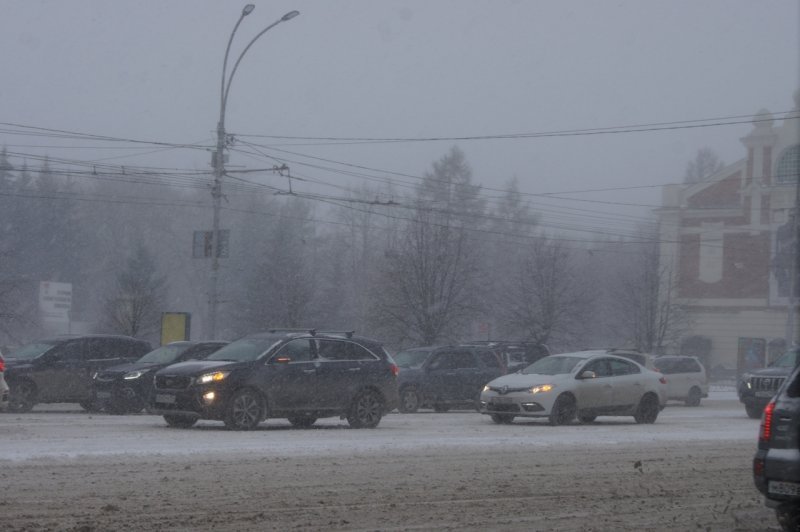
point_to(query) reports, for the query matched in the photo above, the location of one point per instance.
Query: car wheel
(244, 410)
(694, 397)
(409, 400)
(502, 419)
(90, 405)
(648, 408)
(22, 397)
(439, 407)
(302, 421)
(788, 517)
(180, 422)
(366, 410)
(586, 417)
(563, 410)
(753, 412)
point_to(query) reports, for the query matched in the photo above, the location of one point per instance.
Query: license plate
(764, 394)
(103, 395)
(783, 488)
(165, 398)
(502, 400)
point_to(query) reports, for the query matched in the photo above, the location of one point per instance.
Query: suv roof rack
(312, 332)
(349, 333)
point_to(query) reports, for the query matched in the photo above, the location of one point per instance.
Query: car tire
(244, 410)
(502, 419)
(694, 397)
(647, 411)
(125, 401)
(409, 400)
(788, 517)
(22, 397)
(753, 412)
(586, 417)
(180, 422)
(366, 410)
(563, 410)
(302, 422)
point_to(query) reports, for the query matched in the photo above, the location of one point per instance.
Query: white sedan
(585, 384)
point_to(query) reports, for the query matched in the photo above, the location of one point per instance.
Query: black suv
(757, 387)
(446, 376)
(516, 355)
(128, 388)
(301, 376)
(59, 370)
(776, 465)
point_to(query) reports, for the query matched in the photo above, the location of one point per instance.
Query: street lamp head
(290, 15)
(248, 9)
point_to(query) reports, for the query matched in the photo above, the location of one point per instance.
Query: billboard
(55, 301)
(175, 326)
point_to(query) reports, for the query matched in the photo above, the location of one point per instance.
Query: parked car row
(304, 375)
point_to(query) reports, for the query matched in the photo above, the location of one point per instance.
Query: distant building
(729, 240)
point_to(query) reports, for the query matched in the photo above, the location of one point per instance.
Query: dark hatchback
(128, 388)
(445, 377)
(301, 376)
(776, 465)
(59, 370)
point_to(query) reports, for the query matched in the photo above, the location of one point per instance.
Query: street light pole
(219, 161)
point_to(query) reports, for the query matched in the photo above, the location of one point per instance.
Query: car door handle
(353, 369)
(309, 371)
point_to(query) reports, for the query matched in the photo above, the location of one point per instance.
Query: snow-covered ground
(66, 431)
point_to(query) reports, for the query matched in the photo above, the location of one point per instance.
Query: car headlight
(212, 377)
(486, 388)
(133, 375)
(542, 388)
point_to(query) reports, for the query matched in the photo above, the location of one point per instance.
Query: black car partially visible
(127, 388)
(776, 465)
(758, 386)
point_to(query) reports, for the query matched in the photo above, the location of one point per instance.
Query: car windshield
(245, 349)
(31, 351)
(786, 360)
(164, 354)
(411, 358)
(553, 365)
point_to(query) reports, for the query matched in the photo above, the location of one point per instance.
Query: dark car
(776, 465)
(301, 376)
(444, 377)
(516, 355)
(128, 388)
(59, 370)
(757, 387)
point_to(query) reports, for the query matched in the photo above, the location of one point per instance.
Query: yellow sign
(175, 326)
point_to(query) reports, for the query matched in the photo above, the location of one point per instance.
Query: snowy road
(74, 471)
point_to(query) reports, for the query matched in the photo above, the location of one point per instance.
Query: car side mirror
(281, 360)
(588, 375)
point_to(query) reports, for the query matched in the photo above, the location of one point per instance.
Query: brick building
(729, 239)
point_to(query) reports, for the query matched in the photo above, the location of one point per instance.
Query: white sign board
(55, 301)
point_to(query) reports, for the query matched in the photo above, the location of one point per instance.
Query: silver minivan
(687, 379)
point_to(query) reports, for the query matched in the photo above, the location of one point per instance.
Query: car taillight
(2, 364)
(395, 370)
(662, 379)
(765, 432)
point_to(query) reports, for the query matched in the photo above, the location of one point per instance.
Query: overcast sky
(150, 70)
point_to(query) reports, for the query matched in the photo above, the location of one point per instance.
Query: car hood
(198, 367)
(777, 371)
(518, 380)
(127, 368)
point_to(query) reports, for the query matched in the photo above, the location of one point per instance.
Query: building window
(788, 165)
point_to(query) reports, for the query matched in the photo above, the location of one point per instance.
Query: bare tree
(649, 314)
(548, 299)
(428, 290)
(704, 164)
(135, 306)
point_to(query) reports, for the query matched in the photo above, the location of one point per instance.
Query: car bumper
(517, 404)
(195, 402)
(776, 473)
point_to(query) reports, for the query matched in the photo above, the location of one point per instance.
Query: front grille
(106, 377)
(494, 407)
(173, 382)
(766, 384)
(502, 390)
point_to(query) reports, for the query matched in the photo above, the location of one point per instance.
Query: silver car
(3, 385)
(585, 385)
